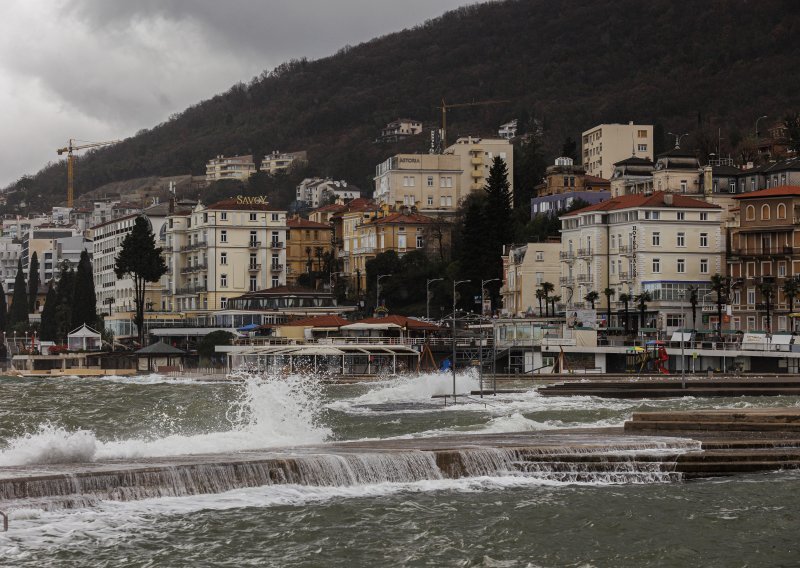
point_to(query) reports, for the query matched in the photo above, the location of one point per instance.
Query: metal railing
(276, 244)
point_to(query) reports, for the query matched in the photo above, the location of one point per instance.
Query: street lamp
(681, 295)
(759, 118)
(378, 290)
(678, 138)
(453, 365)
(428, 296)
(480, 328)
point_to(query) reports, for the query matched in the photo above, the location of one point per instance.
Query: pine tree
(19, 301)
(48, 326)
(84, 305)
(33, 282)
(473, 249)
(499, 226)
(140, 260)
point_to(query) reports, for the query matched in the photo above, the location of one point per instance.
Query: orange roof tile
(305, 224)
(779, 191)
(654, 200)
(319, 321)
(402, 321)
(413, 218)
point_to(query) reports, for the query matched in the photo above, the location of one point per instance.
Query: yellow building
(233, 167)
(525, 268)
(282, 161)
(223, 250)
(606, 144)
(306, 243)
(476, 155)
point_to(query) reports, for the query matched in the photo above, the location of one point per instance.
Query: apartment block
(223, 250)
(477, 155)
(307, 243)
(282, 161)
(231, 167)
(316, 191)
(606, 144)
(401, 128)
(525, 268)
(661, 243)
(563, 183)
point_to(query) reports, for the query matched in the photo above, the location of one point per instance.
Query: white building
(315, 192)
(508, 130)
(230, 167)
(281, 161)
(606, 144)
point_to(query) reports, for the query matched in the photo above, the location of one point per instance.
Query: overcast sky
(104, 69)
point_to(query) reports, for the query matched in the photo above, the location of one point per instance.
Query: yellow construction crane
(446, 106)
(71, 147)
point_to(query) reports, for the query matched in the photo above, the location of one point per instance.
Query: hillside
(570, 64)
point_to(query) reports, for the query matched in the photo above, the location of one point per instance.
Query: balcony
(566, 255)
(186, 290)
(566, 280)
(625, 249)
(254, 244)
(276, 244)
(623, 276)
(584, 278)
(276, 267)
(254, 267)
(585, 252)
(476, 161)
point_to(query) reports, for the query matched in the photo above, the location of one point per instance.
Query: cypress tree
(84, 304)
(3, 307)
(48, 327)
(33, 282)
(19, 301)
(64, 298)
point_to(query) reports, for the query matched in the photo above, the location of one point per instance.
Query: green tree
(693, 300)
(721, 286)
(84, 305)
(498, 220)
(540, 295)
(140, 260)
(19, 301)
(547, 288)
(65, 291)
(33, 282)
(767, 289)
(626, 300)
(641, 304)
(569, 149)
(609, 293)
(791, 287)
(792, 123)
(3, 308)
(48, 328)
(592, 297)
(206, 346)
(553, 301)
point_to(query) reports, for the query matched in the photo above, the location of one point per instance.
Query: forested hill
(570, 64)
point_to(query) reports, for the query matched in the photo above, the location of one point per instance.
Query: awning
(189, 331)
(249, 327)
(367, 326)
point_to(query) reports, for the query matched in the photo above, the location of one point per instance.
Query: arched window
(750, 213)
(765, 212)
(781, 211)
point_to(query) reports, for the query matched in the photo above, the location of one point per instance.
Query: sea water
(489, 520)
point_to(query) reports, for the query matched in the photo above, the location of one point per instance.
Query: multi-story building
(316, 191)
(306, 244)
(563, 183)
(763, 253)
(508, 130)
(10, 253)
(401, 128)
(325, 213)
(677, 171)
(661, 243)
(606, 144)
(44, 240)
(437, 183)
(525, 269)
(230, 167)
(282, 161)
(117, 295)
(632, 176)
(223, 250)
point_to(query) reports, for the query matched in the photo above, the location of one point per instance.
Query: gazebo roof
(160, 348)
(84, 331)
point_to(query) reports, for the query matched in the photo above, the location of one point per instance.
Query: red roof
(594, 180)
(402, 321)
(654, 200)
(305, 224)
(779, 191)
(330, 207)
(237, 204)
(414, 218)
(320, 321)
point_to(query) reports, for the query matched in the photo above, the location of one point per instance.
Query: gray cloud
(102, 69)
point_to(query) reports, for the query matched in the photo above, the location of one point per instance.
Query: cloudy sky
(104, 69)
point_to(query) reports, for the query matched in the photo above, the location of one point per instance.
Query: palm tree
(791, 287)
(641, 303)
(547, 287)
(592, 297)
(540, 295)
(625, 299)
(608, 293)
(767, 289)
(693, 299)
(720, 285)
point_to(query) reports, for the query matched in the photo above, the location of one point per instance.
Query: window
(223, 216)
(751, 296)
(253, 260)
(704, 239)
(642, 133)
(703, 266)
(750, 213)
(643, 147)
(657, 239)
(781, 269)
(539, 256)
(254, 237)
(684, 186)
(276, 217)
(765, 212)
(223, 258)
(681, 239)
(275, 282)
(430, 200)
(613, 241)
(781, 211)
(681, 265)
(704, 216)
(681, 216)
(656, 265)
(442, 201)
(253, 216)
(253, 283)
(737, 297)
(420, 242)
(539, 278)
(223, 280)
(205, 218)
(223, 302)
(223, 236)
(430, 181)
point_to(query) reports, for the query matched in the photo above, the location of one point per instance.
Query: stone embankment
(672, 387)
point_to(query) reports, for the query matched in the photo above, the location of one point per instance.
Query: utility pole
(453, 366)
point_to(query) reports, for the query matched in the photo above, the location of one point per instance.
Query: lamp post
(378, 290)
(758, 119)
(453, 365)
(681, 295)
(480, 346)
(428, 295)
(678, 138)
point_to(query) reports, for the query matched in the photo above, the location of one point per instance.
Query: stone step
(622, 392)
(775, 415)
(676, 425)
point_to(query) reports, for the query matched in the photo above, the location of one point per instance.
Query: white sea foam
(272, 411)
